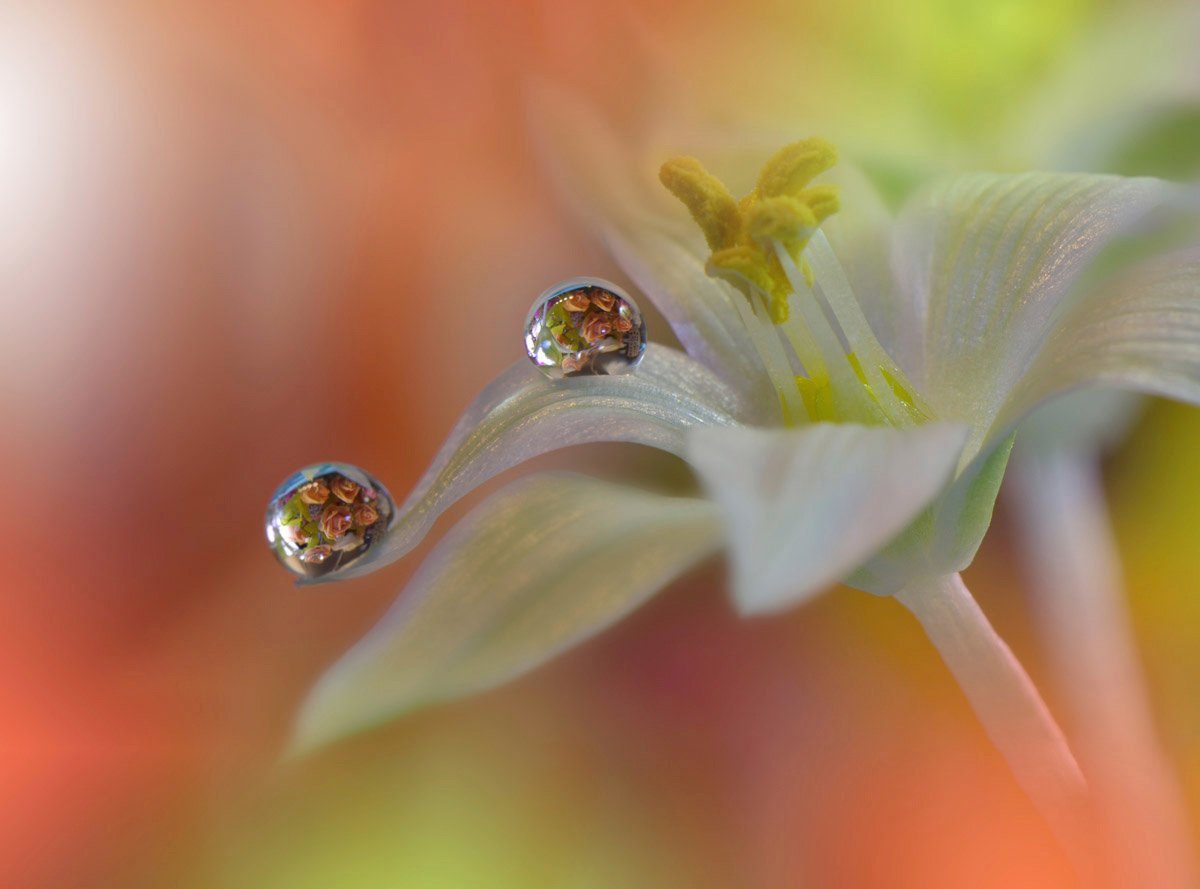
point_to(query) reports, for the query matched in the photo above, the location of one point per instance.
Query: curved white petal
(543, 564)
(522, 414)
(805, 507)
(614, 191)
(1140, 332)
(985, 262)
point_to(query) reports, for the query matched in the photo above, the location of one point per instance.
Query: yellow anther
(743, 262)
(793, 167)
(783, 219)
(706, 197)
(747, 268)
(783, 209)
(822, 200)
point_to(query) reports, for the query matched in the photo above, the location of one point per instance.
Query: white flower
(1123, 96)
(924, 340)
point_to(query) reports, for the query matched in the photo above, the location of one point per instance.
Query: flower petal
(1140, 332)
(522, 414)
(986, 261)
(614, 192)
(944, 538)
(805, 507)
(543, 564)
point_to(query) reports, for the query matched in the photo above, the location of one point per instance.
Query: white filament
(774, 358)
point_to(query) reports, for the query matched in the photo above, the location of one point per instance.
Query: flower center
(810, 332)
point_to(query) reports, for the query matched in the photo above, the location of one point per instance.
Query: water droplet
(585, 327)
(326, 517)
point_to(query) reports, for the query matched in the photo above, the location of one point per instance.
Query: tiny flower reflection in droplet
(585, 327)
(325, 517)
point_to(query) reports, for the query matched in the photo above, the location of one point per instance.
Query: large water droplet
(585, 327)
(326, 517)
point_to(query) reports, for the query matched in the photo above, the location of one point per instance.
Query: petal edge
(563, 557)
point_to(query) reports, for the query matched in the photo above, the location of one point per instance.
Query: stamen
(860, 374)
(885, 378)
(763, 246)
(850, 400)
(781, 208)
(775, 361)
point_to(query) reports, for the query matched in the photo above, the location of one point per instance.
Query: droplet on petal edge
(585, 327)
(326, 517)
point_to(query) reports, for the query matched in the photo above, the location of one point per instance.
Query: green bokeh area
(1155, 492)
(480, 795)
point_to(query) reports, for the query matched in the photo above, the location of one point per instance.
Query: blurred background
(239, 238)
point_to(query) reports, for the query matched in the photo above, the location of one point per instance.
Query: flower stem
(1084, 629)
(1009, 706)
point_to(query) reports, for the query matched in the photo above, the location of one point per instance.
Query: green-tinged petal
(543, 564)
(986, 262)
(805, 507)
(1140, 332)
(615, 193)
(945, 537)
(522, 414)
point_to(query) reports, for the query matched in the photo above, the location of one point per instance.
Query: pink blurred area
(236, 239)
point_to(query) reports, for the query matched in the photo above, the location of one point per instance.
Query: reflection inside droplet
(585, 327)
(326, 517)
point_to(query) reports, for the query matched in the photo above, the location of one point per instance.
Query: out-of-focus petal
(1090, 421)
(543, 564)
(805, 507)
(615, 194)
(522, 415)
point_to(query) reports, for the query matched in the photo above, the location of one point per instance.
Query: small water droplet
(585, 327)
(326, 517)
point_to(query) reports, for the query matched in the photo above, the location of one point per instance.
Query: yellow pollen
(782, 209)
